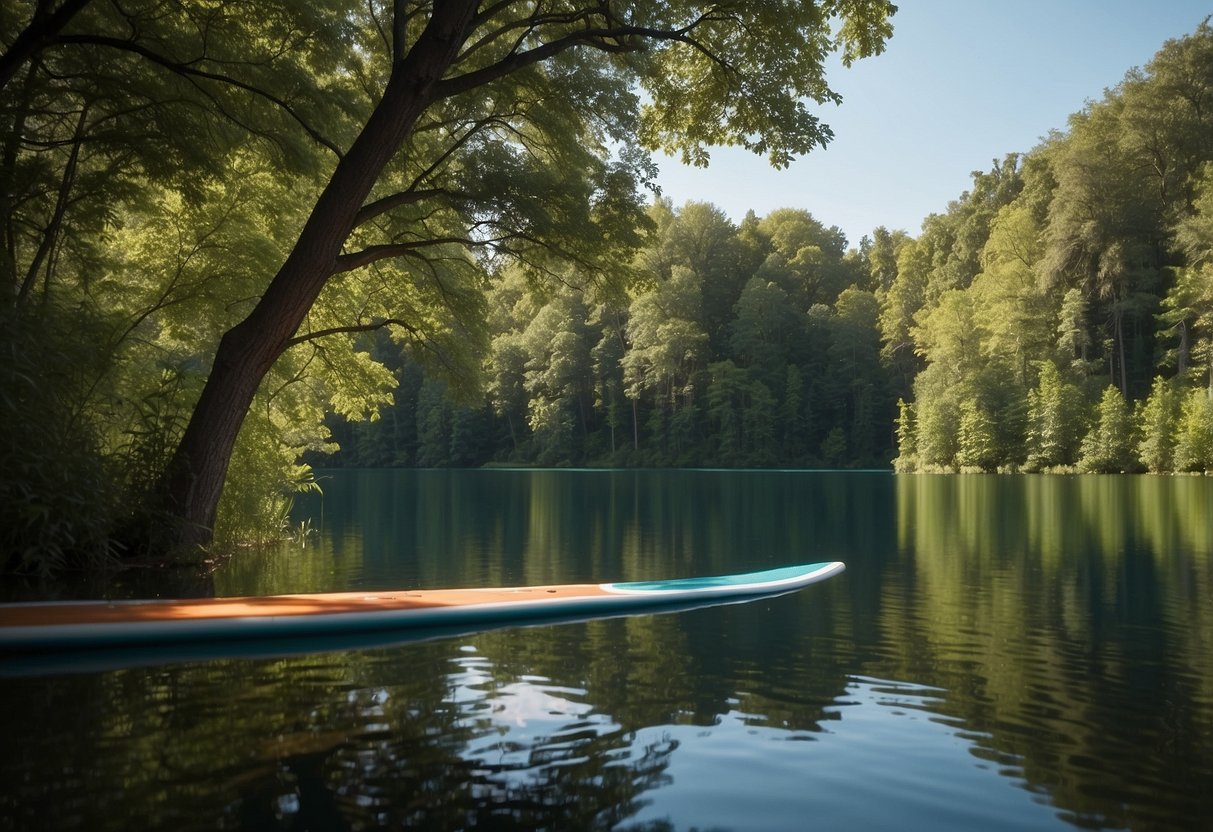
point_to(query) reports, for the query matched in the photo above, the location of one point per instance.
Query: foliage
(257, 501)
(1079, 265)
(574, 377)
(937, 422)
(60, 497)
(1057, 421)
(907, 447)
(1108, 446)
(1188, 305)
(1194, 444)
(1058, 273)
(1157, 420)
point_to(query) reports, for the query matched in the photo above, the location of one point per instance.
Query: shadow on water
(126, 582)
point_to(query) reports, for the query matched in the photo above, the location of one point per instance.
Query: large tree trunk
(194, 481)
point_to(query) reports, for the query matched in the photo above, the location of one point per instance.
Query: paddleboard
(76, 625)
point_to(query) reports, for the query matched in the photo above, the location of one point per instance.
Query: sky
(961, 83)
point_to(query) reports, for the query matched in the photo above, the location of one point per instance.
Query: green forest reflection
(392, 528)
(1072, 618)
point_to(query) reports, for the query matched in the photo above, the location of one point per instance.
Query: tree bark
(194, 480)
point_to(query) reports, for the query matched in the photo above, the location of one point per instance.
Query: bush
(59, 493)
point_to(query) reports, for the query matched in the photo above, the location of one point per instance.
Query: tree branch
(527, 24)
(186, 70)
(410, 197)
(373, 254)
(354, 328)
(613, 39)
(413, 194)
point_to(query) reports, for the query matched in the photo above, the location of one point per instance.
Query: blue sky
(961, 83)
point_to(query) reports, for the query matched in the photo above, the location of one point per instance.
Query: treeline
(750, 345)
(1057, 316)
(1060, 314)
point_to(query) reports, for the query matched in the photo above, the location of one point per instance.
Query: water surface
(1002, 653)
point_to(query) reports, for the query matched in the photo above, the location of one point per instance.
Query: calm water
(1002, 653)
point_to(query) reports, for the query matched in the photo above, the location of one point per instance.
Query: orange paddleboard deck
(88, 624)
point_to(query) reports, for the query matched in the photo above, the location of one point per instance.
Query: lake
(1002, 653)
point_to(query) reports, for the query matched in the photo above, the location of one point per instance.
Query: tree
(667, 345)
(855, 361)
(1108, 447)
(467, 437)
(433, 426)
(882, 258)
(458, 128)
(1102, 224)
(1019, 317)
(834, 447)
(1188, 305)
(1171, 90)
(806, 258)
(905, 296)
(937, 406)
(947, 336)
(992, 418)
(1056, 420)
(607, 357)
(507, 383)
(791, 417)
(1128, 169)
(1073, 337)
(763, 331)
(1157, 422)
(558, 380)
(977, 443)
(758, 425)
(726, 398)
(907, 447)
(1188, 314)
(700, 237)
(1194, 443)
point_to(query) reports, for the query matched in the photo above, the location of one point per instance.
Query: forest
(244, 239)
(1057, 316)
(754, 345)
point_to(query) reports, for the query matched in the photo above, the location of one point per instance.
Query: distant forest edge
(1056, 316)
(737, 346)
